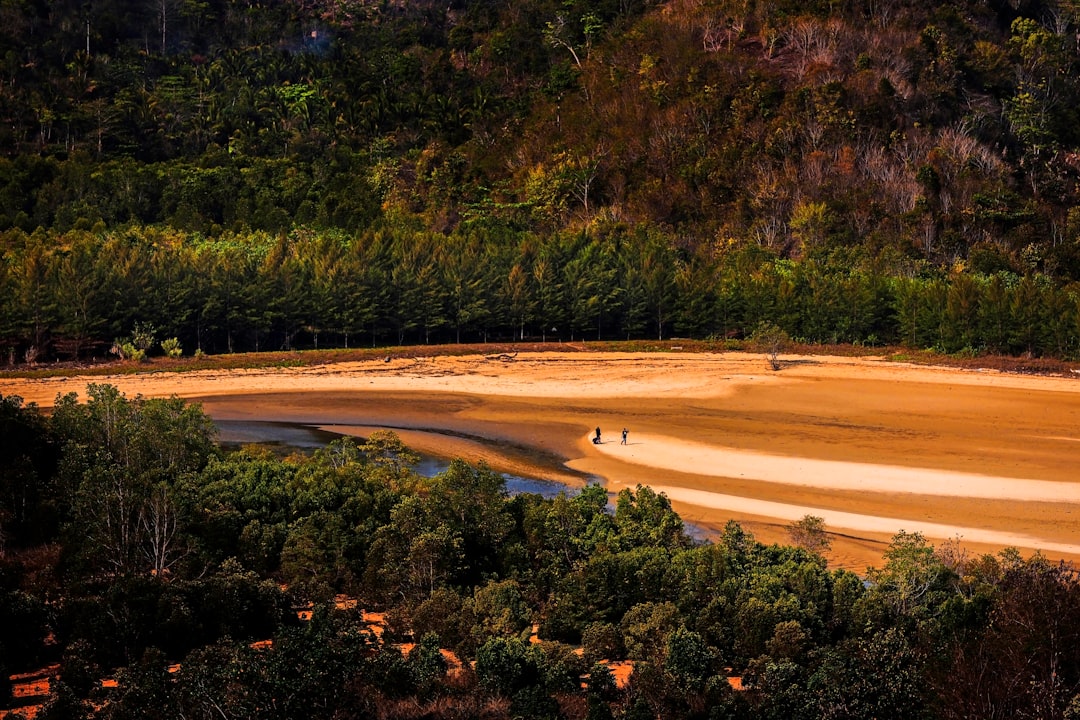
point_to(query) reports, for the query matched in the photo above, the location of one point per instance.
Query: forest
(315, 173)
(133, 548)
(208, 176)
(153, 291)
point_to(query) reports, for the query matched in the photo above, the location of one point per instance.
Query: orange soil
(621, 670)
(30, 690)
(873, 447)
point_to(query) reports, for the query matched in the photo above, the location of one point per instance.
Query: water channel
(297, 436)
(286, 435)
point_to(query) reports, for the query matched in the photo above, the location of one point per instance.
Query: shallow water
(285, 434)
(298, 436)
(304, 437)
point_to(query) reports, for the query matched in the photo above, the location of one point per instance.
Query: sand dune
(667, 453)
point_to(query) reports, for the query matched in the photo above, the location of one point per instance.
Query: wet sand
(873, 447)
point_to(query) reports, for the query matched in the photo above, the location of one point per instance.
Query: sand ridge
(667, 453)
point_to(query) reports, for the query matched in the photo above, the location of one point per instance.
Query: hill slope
(949, 127)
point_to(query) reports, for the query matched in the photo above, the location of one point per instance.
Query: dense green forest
(131, 289)
(132, 547)
(183, 176)
(279, 174)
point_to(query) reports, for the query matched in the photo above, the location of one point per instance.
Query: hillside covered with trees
(257, 175)
(132, 548)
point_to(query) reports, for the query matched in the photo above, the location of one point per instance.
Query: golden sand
(874, 447)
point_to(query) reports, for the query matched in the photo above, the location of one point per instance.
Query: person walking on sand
(625, 432)
(596, 440)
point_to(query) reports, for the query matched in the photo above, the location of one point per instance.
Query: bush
(78, 671)
(503, 666)
(172, 348)
(771, 340)
(133, 353)
(602, 641)
(143, 336)
(26, 623)
(126, 350)
(5, 680)
(534, 702)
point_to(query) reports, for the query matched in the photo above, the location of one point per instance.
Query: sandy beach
(873, 447)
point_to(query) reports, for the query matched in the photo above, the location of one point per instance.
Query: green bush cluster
(133, 543)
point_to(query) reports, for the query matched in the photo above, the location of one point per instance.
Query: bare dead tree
(109, 512)
(557, 34)
(158, 524)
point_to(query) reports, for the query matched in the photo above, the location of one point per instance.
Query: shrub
(771, 340)
(130, 352)
(126, 350)
(172, 348)
(602, 641)
(143, 336)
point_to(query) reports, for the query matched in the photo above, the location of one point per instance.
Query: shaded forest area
(144, 291)
(133, 548)
(244, 176)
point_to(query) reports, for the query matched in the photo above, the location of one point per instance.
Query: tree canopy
(296, 173)
(241, 582)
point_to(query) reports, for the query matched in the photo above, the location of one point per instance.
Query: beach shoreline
(982, 457)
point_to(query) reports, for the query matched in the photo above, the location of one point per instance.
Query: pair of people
(596, 440)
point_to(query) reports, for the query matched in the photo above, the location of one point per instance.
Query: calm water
(305, 437)
(287, 435)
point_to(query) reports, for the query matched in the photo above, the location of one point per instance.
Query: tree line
(130, 543)
(81, 293)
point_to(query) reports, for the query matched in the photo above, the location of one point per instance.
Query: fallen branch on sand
(504, 357)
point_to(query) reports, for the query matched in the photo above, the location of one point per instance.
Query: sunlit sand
(667, 453)
(871, 446)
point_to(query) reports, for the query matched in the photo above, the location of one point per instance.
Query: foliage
(809, 533)
(932, 633)
(171, 348)
(29, 512)
(120, 461)
(317, 289)
(309, 174)
(772, 340)
(23, 636)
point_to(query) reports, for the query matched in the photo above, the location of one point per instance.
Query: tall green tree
(120, 461)
(33, 304)
(1028, 316)
(29, 511)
